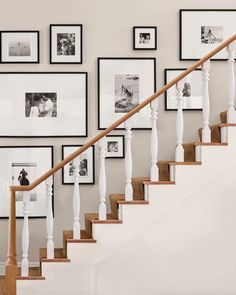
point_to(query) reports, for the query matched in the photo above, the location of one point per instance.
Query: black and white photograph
(126, 92)
(19, 46)
(115, 146)
(123, 84)
(41, 104)
(191, 93)
(202, 30)
(21, 166)
(66, 44)
(85, 164)
(144, 38)
(211, 34)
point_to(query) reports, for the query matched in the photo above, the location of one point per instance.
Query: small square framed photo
(115, 146)
(19, 46)
(192, 91)
(66, 44)
(86, 166)
(144, 38)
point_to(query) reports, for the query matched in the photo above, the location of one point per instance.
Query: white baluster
(25, 235)
(50, 244)
(154, 171)
(206, 132)
(102, 181)
(128, 161)
(231, 114)
(76, 200)
(179, 150)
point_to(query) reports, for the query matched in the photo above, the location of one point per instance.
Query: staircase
(152, 241)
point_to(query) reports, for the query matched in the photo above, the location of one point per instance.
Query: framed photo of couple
(22, 165)
(43, 104)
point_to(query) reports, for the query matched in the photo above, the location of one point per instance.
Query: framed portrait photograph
(144, 38)
(115, 146)
(22, 165)
(86, 166)
(66, 44)
(192, 91)
(123, 83)
(43, 104)
(19, 46)
(201, 30)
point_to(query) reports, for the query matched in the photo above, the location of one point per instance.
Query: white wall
(107, 33)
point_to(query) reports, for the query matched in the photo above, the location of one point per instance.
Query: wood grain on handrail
(123, 119)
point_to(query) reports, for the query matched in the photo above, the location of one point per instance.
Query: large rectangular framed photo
(201, 30)
(22, 165)
(123, 83)
(43, 104)
(192, 91)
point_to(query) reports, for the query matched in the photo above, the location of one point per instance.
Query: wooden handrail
(92, 141)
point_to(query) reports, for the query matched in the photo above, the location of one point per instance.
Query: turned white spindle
(231, 114)
(154, 172)
(49, 221)
(25, 235)
(179, 150)
(76, 199)
(206, 132)
(102, 181)
(128, 161)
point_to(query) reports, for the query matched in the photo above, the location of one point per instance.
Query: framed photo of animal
(66, 44)
(123, 83)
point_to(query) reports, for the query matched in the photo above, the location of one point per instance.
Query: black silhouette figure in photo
(22, 178)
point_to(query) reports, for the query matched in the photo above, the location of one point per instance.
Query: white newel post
(76, 200)
(154, 171)
(128, 161)
(206, 132)
(102, 181)
(25, 235)
(179, 151)
(231, 114)
(50, 243)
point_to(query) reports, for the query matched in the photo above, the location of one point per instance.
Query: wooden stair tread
(30, 278)
(215, 133)
(84, 237)
(227, 125)
(2, 285)
(135, 202)
(160, 182)
(55, 260)
(33, 271)
(210, 144)
(58, 253)
(185, 163)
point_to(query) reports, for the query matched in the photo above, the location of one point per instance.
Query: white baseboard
(3, 266)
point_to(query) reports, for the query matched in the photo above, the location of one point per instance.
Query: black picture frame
(121, 144)
(179, 70)
(90, 178)
(148, 78)
(20, 53)
(41, 168)
(192, 17)
(73, 53)
(148, 32)
(77, 83)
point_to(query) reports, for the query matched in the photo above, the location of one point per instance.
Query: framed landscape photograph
(66, 44)
(115, 146)
(123, 83)
(192, 90)
(144, 38)
(86, 166)
(19, 46)
(43, 104)
(22, 165)
(201, 30)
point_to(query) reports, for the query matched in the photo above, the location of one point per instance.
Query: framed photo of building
(43, 104)
(201, 30)
(123, 83)
(66, 44)
(192, 91)
(144, 38)
(115, 146)
(86, 166)
(19, 46)
(22, 165)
